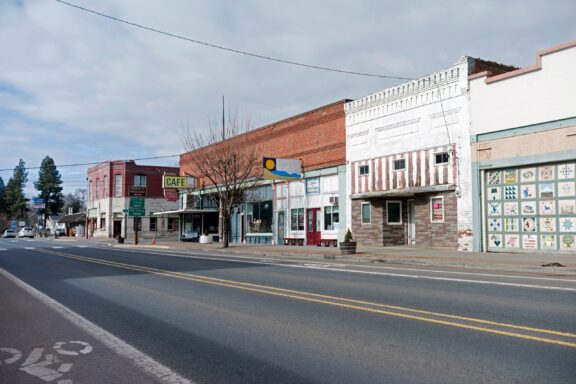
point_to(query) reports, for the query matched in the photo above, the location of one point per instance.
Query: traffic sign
(137, 202)
(137, 212)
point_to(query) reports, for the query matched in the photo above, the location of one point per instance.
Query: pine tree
(49, 186)
(2, 198)
(16, 202)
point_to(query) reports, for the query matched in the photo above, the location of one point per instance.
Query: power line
(230, 49)
(95, 163)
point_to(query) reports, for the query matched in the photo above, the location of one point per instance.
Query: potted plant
(348, 246)
(205, 238)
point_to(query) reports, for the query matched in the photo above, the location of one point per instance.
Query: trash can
(120, 240)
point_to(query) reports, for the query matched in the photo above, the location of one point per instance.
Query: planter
(206, 239)
(347, 248)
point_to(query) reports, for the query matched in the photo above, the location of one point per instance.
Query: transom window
(363, 170)
(441, 158)
(399, 165)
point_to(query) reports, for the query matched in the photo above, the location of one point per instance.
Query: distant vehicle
(26, 232)
(60, 231)
(9, 233)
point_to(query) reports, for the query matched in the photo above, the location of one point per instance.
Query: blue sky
(81, 88)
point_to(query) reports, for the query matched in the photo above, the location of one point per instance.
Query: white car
(26, 232)
(9, 233)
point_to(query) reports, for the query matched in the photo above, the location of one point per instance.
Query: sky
(82, 88)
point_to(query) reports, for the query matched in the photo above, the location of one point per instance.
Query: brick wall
(436, 234)
(378, 233)
(316, 137)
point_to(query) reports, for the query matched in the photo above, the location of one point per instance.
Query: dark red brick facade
(379, 233)
(316, 137)
(128, 169)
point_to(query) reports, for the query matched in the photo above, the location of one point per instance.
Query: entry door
(313, 230)
(117, 228)
(281, 229)
(411, 222)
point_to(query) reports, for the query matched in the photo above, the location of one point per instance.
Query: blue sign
(13, 224)
(38, 200)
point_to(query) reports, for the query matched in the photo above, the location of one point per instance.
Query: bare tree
(225, 160)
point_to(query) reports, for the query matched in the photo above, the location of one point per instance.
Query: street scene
(326, 192)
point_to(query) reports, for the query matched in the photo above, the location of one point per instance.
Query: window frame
(388, 203)
(295, 224)
(432, 209)
(140, 178)
(362, 205)
(155, 221)
(440, 154)
(366, 167)
(399, 169)
(118, 184)
(331, 216)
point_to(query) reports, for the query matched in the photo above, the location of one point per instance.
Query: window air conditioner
(333, 199)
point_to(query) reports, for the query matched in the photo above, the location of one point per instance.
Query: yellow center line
(343, 302)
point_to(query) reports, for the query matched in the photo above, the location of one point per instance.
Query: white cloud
(94, 89)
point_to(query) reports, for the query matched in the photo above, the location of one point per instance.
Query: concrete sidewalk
(556, 264)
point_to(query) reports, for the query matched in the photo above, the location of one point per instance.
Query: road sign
(13, 224)
(137, 212)
(137, 202)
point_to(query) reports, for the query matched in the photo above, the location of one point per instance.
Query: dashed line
(30, 248)
(57, 247)
(3, 249)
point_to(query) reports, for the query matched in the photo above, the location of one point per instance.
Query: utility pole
(223, 121)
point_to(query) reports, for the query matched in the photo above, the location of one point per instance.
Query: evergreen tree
(49, 186)
(2, 198)
(16, 202)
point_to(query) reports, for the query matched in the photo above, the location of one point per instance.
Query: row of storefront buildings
(477, 156)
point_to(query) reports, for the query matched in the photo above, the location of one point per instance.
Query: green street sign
(137, 202)
(136, 212)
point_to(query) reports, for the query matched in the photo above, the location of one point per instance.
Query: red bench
(293, 241)
(328, 243)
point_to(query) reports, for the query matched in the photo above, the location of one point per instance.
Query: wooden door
(313, 231)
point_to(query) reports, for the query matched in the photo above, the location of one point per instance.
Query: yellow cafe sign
(180, 182)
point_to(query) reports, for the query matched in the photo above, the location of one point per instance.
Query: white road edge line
(153, 368)
(320, 267)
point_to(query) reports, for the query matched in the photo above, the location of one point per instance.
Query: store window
(437, 209)
(366, 213)
(153, 224)
(331, 218)
(259, 215)
(139, 180)
(118, 185)
(297, 219)
(394, 212)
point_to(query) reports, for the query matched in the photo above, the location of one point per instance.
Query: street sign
(137, 212)
(13, 224)
(137, 202)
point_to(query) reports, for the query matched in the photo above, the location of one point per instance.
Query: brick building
(524, 155)
(317, 138)
(408, 159)
(111, 186)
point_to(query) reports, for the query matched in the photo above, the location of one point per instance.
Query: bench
(293, 241)
(328, 243)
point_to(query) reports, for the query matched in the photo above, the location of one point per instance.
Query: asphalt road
(220, 319)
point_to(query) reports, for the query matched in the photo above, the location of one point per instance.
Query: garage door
(531, 208)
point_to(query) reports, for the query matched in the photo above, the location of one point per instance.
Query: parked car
(26, 232)
(9, 233)
(60, 232)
